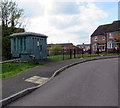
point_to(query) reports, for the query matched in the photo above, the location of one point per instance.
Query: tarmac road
(93, 83)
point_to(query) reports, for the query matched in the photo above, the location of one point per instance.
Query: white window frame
(103, 38)
(110, 35)
(95, 38)
(110, 45)
(95, 47)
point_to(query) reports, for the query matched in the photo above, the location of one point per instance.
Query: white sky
(65, 21)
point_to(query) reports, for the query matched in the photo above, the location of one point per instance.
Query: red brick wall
(115, 36)
(99, 40)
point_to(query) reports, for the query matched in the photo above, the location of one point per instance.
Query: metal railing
(65, 54)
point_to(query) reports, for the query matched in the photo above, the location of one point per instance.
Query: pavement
(38, 75)
(93, 83)
(17, 83)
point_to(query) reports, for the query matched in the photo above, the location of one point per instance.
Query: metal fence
(64, 54)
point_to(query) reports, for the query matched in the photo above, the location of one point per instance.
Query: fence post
(70, 54)
(118, 51)
(90, 52)
(82, 53)
(74, 53)
(63, 54)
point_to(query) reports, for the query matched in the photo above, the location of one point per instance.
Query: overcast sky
(67, 20)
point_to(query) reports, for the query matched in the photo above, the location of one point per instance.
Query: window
(103, 37)
(95, 38)
(110, 44)
(110, 35)
(95, 47)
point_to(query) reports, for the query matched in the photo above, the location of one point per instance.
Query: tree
(6, 52)
(11, 14)
(11, 23)
(55, 50)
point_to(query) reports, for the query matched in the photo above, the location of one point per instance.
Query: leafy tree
(11, 23)
(11, 14)
(55, 50)
(6, 48)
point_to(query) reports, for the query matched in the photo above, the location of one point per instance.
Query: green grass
(67, 56)
(12, 68)
(59, 57)
(110, 54)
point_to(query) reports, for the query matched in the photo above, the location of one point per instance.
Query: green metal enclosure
(29, 46)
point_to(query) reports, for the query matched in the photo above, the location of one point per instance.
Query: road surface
(94, 83)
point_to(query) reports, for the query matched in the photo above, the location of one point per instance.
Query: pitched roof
(65, 44)
(115, 26)
(28, 34)
(101, 30)
(83, 44)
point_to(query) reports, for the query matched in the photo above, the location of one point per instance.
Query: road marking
(37, 79)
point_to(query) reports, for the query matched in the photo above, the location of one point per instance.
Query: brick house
(65, 46)
(106, 38)
(84, 47)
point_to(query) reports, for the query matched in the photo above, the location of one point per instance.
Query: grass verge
(12, 68)
(67, 56)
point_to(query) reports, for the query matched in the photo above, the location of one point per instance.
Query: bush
(6, 50)
(55, 50)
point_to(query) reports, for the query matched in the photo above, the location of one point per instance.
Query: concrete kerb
(22, 93)
(70, 65)
(9, 61)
